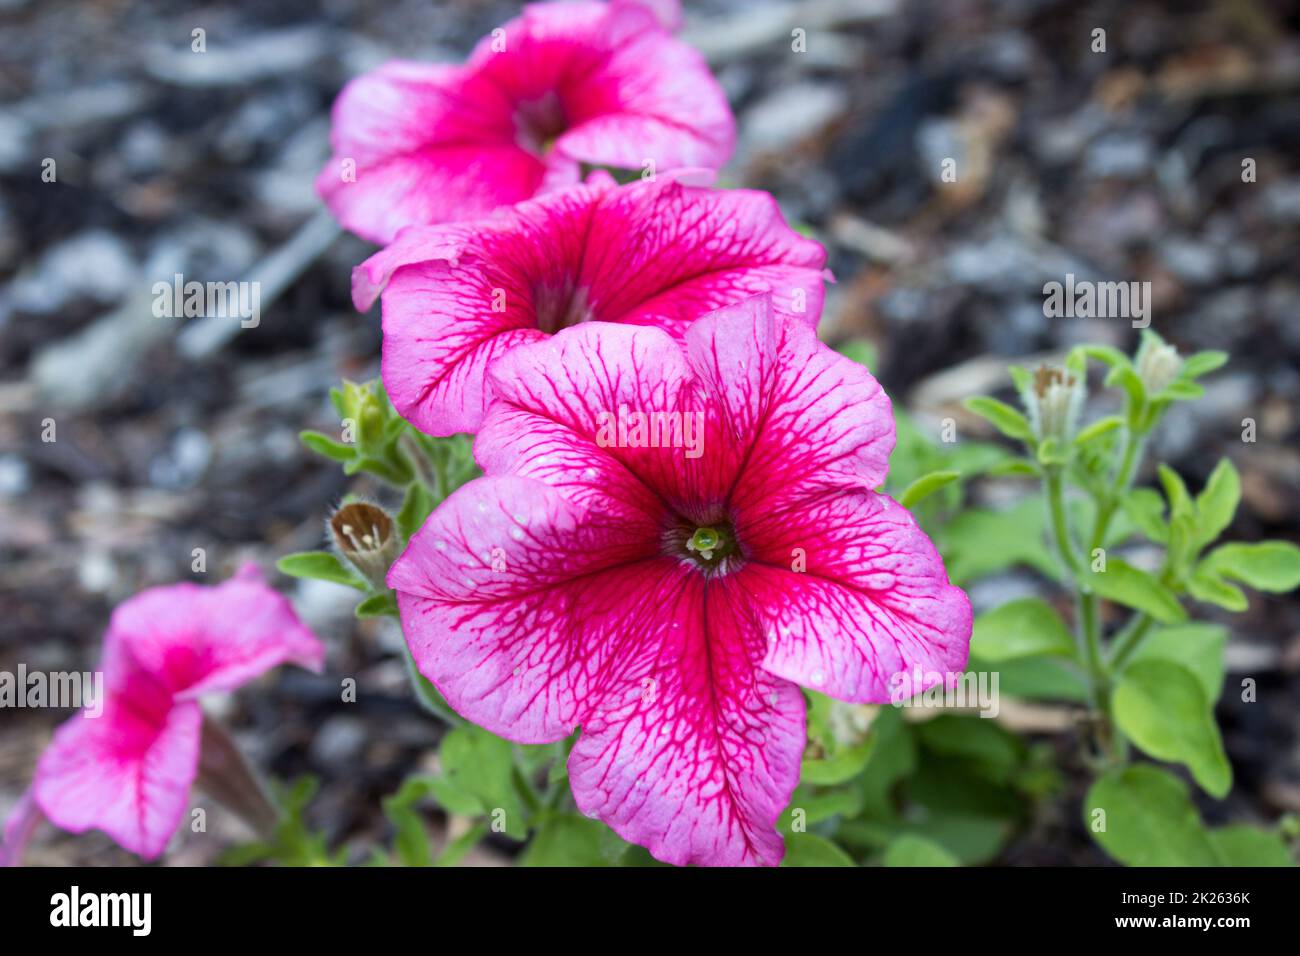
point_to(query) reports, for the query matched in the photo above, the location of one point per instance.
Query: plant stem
(1128, 640)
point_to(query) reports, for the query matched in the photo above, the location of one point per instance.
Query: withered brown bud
(364, 534)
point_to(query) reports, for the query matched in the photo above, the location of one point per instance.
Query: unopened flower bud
(363, 404)
(1158, 364)
(1054, 401)
(364, 534)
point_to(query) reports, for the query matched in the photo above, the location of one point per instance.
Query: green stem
(420, 465)
(1129, 640)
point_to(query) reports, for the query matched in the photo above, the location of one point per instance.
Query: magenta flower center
(561, 305)
(540, 122)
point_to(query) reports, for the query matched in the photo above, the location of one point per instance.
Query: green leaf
(925, 486)
(1197, 646)
(455, 851)
(322, 444)
(410, 839)
(1034, 678)
(807, 849)
(395, 473)
(1162, 708)
(416, 507)
(985, 748)
(1203, 363)
(1207, 585)
(1025, 628)
(569, 840)
(1106, 354)
(839, 767)
(815, 807)
(1146, 509)
(1127, 585)
(1002, 416)
(1244, 845)
(1182, 390)
(1148, 819)
(320, 566)
(978, 542)
(1180, 502)
(378, 605)
(1126, 378)
(1217, 503)
(1102, 426)
(481, 765)
(1267, 566)
(911, 850)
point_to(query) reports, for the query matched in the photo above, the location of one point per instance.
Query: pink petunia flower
(670, 595)
(561, 85)
(128, 771)
(456, 298)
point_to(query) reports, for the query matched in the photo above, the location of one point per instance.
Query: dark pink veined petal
(656, 253)
(510, 604)
(194, 640)
(612, 84)
(696, 751)
(126, 772)
(425, 144)
(561, 85)
(532, 621)
(851, 594)
(665, 253)
(555, 407)
(807, 418)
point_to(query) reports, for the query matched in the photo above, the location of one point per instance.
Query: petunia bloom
(563, 84)
(456, 298)
(672, 605)
(128, 771)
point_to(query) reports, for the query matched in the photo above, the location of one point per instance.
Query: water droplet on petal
(440, 545)
(517, 534)
(818, 677)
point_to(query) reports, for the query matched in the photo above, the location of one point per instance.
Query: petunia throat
(712, 547)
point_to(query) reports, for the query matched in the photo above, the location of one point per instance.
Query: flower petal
(194, 640)
(19, 828)
(502, 610)
(127, 772)
(656, 253)
(555, 409)
(807, 418)
(404, 173)
(871, 603)
(696, 752)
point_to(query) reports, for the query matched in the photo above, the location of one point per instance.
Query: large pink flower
(127, 771)
(669, 600)
(658, 253)
(562, 85)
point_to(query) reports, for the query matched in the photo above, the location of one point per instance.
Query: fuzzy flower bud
(1054, 400)
(364, 534)
(1158, 364)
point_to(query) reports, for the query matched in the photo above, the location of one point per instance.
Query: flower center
(560, 306)
(713, 547)
(540, 122)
